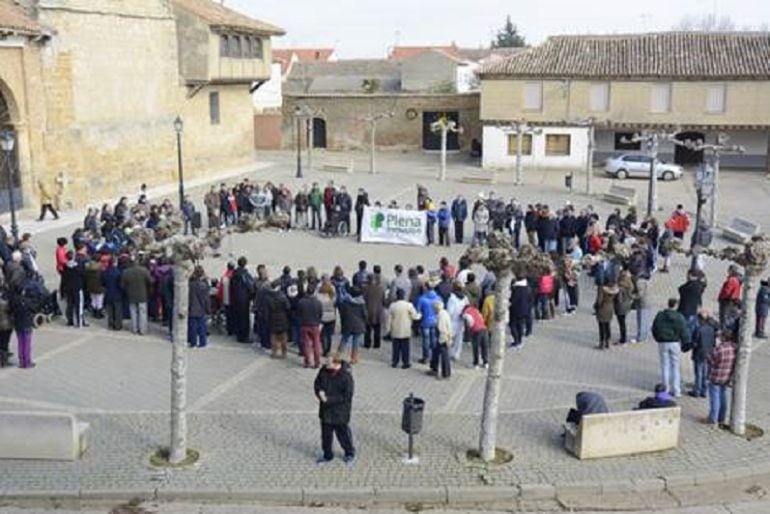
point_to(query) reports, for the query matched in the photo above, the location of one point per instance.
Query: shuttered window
(600, 97)
(235, 46)
(715, 103)
(557, 144)
(526, 144)
(214, 108)
(533, 96)
(660, 98)
(224, 45)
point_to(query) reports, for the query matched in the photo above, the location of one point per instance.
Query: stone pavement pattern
(255, 419)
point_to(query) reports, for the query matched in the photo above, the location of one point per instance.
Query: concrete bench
(338, 167)
(42, 435)
(624, 433)
(620, 194)
(740, 230)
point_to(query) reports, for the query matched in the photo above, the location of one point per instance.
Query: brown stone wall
(346, 129)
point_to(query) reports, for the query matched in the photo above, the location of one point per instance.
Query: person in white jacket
(441, 350)
(480, 224)
(455, 305)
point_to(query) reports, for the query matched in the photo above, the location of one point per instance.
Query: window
(526, 144)
(224, 45)
(715, 102)
(600, 97)
(256, 48)
(235, 46)
(214, 108)
(660, 98)
(557, 144)
(623, 141)
(533, 96)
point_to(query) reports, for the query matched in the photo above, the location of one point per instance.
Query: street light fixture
(179, 128)
(297, 114)
(8, 141)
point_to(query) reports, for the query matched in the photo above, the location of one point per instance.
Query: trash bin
(411, 419)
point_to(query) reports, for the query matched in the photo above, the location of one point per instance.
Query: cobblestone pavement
(255, 420)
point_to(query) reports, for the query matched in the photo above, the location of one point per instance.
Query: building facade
(700, 84)
(93, 86)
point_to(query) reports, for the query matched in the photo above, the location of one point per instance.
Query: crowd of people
(103, 274)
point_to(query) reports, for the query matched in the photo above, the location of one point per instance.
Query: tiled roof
(219, 16)
(683, 55)
(343, 76)
(284, 56)
(14, 19)
(399, 53)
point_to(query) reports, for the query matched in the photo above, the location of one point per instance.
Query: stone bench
(338, 167)
(624, 433)
(42, 435)
(740, 230)
(620, 194)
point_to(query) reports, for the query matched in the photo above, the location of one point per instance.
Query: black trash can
(411, 419)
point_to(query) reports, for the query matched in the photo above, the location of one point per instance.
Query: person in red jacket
(479, 334)
(679, 222)
(61, 255)
(730, 294)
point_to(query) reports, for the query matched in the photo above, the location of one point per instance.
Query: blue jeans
(353, 340)
(717, 403)
(550, 245)
(670, 373)
(429, 339)
(643, 324)
(700, 368)
(543, 306)
(196, 331)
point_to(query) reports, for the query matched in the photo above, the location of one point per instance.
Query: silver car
(638, 166)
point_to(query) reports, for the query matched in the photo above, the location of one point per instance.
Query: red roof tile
(14, 19)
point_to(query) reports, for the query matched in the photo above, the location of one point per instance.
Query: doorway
(319, 133)
(432, 140)
(14, 181)
(683, 155)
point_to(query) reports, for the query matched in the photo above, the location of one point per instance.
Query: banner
(395, 226)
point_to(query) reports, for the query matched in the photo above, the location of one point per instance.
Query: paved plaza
(255, 420)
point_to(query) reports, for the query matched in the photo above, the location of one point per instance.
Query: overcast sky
(367, 28)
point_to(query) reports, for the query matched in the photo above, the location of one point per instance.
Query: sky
(367, 28)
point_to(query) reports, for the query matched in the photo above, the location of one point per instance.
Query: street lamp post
(651, 140)
(179, 127)
(704, 187)
(8, 141)
(297, 115)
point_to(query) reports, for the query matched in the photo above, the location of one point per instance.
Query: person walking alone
(334, 390)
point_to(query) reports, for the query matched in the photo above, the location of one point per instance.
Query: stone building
(699, 83)
(91, 89)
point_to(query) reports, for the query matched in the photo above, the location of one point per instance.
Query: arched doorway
(9, 168)
(319, 133)
(683, 155)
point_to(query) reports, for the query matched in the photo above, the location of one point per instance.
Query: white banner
(395, 226)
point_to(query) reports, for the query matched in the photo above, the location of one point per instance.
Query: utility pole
(651, 140)
(309, 140)
(716, 149)
(372, 120)
(445, 126)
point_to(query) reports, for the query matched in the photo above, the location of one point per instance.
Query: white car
(638, 166)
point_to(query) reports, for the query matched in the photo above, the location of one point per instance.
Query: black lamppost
(298, 114)
(704, 187)
(7, 141)
(179, 127)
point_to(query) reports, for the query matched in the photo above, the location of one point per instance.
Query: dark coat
(521, 301)
(137, 283)
(691, 297)
(374, 296)
(242, 288)
(72, 279)
(277, 309)
(111, 282)
(93, 278)
(22, 313)
(199, 296)
(459, 210)
(587, 403)
(670, 326)
(353, 316)
(704, 340)
(338, 388)
(763, 301)
(309, 311)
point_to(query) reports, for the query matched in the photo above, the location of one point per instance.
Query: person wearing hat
(428, 317)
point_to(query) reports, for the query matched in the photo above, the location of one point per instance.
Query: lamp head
(178, 124)
(7, 140)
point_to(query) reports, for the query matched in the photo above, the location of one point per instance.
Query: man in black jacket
(691, 299)
(334, 390)
(242, 291)
(703, 341)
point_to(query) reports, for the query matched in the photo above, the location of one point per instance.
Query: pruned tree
(500, 257)
(508, 36)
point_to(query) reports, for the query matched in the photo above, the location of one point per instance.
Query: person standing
(623, 302)
(670, 332)
(243, 288)
(374, 297)
(301, 205)
(428, 318)
(431, 214)
(223, 294)
(703, 342)
(211, 202)
(310, 313)
(459, 215)
(480, 224)
(643, 309)
(113, 294)
(329, 197)
(73, 286)
(353, 322)
(137, 284)
(93, 283)
(520, 311)
(278, 318)
(679, 222)
(328, 313)
(444, 340)
(6, 326)
(605, 309)
(455, 307)
(721, 363)
(402, 314)
(730, 294)
(479, 334)
(199, 307)
(316, 201)
(334, 389)
(23, 323)
(691, 298)
(46, 201)
(761, 309)
(444, 219)
(362, 201)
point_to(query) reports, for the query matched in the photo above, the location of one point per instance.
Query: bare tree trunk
(488, 438)
(745, 340)
(178, 447)
(444, 134)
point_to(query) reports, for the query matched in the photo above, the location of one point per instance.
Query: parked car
(638, 166)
